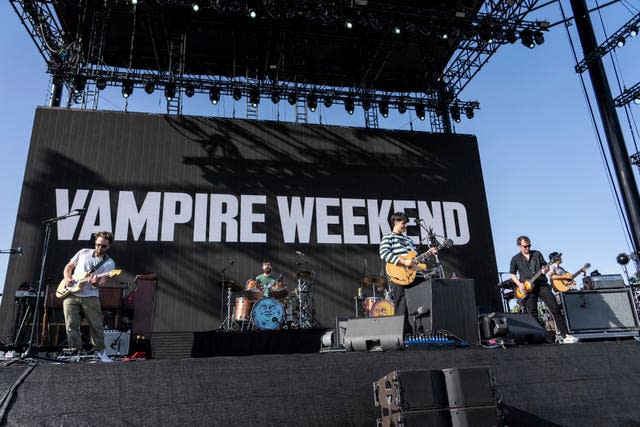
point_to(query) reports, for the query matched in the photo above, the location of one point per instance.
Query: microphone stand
(32, 349)
(433, 242)
(226, 323)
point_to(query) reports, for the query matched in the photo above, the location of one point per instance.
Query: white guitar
(79, 280)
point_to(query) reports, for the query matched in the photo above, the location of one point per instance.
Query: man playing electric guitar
(87, 300)
(393, 249)
(528, 264)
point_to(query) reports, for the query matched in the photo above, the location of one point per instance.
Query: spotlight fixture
(349, 105)
(420, 110)
(510, 35)
(170, 91)
(526, 38)
(275, 96)
(101, 84)
(312, 102)
(396, 30)
(455, 113)
(468, 111)
(78, 84)
(384, 107)
(633, 31)
(402, 107)
(328, 101)
(538, 37)
(622, 259)
(620, 41)
(134, 2)
(636, 100)
(292, 98)
(237, 94)
(127, 88)
(149, 87)
(195, 7)
(252, 14)
(254, 97)
(189, 90)
(214, 94)
(366, 104)
(348, 24)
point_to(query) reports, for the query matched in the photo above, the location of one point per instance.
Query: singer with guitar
(92, 263)
(528, 271)
(395, 248)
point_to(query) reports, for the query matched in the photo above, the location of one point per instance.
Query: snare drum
(382, 308)
(278, 289)
(253, 290)
(368, 304)
(242, 309)
(268, 314)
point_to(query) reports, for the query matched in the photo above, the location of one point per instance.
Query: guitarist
(392, 246)
(528, 263)
(87, 300)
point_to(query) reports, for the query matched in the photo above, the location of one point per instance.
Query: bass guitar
(528, 284)
(403, 275)
(79, 281)
(564, 285)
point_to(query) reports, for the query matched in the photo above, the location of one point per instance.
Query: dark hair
(521, 239)
(266, 262)
(105, 235)
(399, 216)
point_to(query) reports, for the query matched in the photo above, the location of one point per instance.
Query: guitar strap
(98, 265)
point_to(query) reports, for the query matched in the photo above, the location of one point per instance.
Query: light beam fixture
(127, 88)
(170, 91)
(189, 90)
(214, 94)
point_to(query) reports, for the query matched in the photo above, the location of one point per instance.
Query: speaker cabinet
(411, 390)
(600, 310)
(374, 334)
(117, 342)
(521, 327)
(448, 304)
(469, 387)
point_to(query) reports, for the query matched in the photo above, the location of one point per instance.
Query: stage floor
(584, 384)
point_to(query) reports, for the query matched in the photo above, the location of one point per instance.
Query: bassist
(87, 300)
(528, 264)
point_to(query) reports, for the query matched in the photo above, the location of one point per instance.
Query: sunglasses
(102, 246)
(526, 246)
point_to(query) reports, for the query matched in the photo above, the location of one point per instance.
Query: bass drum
(382, 308)
(268, 314)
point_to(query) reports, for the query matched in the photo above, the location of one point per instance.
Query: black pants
(400, 302)
(531, 304)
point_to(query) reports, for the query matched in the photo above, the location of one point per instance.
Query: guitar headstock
(114, 273)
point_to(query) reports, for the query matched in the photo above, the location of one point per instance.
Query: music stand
(31, 351)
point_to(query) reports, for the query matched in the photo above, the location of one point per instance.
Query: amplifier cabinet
(603, 281)
(600, 310)
(117, 342)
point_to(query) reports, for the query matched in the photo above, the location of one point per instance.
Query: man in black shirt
(529, 263)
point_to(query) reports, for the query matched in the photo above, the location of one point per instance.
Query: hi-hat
(230, 284)
(373, 279)
(300, 274)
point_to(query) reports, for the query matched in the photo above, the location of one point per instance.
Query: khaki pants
(90, 306)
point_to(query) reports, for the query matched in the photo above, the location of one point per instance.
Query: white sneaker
(570, 339)
(102, 357)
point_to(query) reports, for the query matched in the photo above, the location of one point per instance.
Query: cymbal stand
(226, 321)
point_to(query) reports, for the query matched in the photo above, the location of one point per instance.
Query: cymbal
(373, 279)
(300, 274)
(230, 284)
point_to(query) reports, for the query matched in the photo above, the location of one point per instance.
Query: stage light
(526, 38)
(468, 111)
(312, 102)
(328, 101)
(348, 24)
(78, 84)
(633, 31)
(349, 105)
(134, 2)
(636, 101)
(402, 107)
(292, 98)
(195, 7)
(189, 90)
(149, 87)
(420, 111)
(396, 30)
(254, 97)
(252, 14)
(237, 94)
(455, 113)
(538, 37)
(170, 91)
(620, 42)
(510, 35)
(214, 94)
(127, 88)
(275, 96)
(366, 104)
(384, 107)
(101, 84)
(622, 259)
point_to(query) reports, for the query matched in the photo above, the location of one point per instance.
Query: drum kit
(270, 306)
(379, 302)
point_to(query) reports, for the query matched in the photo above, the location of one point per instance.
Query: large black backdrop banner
(187, 197)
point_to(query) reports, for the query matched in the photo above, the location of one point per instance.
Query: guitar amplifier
(117, 342)
(603, 281)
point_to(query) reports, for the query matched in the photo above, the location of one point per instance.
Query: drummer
(266, 278)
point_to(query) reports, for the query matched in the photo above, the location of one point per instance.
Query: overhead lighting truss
(629, 95)
(617, 39)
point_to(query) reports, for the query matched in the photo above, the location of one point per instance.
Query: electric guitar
(564, 285)
(528, 284)
(403, 275)
(79, 281)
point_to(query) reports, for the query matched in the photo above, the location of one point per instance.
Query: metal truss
(631, 94)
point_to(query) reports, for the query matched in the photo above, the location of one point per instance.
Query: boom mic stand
(32, 348)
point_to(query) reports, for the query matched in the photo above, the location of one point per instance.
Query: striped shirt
(393, 244)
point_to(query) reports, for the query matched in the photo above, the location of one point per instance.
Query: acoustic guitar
(564, 285)
(528, 284)
(403, 275)
(79, 281)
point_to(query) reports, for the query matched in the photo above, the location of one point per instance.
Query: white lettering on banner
(230, 218)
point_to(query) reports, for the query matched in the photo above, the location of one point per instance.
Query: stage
(584, 384)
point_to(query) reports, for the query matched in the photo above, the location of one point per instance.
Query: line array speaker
(374, 333)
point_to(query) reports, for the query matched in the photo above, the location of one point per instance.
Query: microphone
(447, 243)
(16, 251)
(300, 253)
(421, 311)
(80, 210)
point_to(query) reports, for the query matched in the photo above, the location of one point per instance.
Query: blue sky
(543, 170)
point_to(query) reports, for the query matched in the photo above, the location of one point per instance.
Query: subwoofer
(600, 310)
